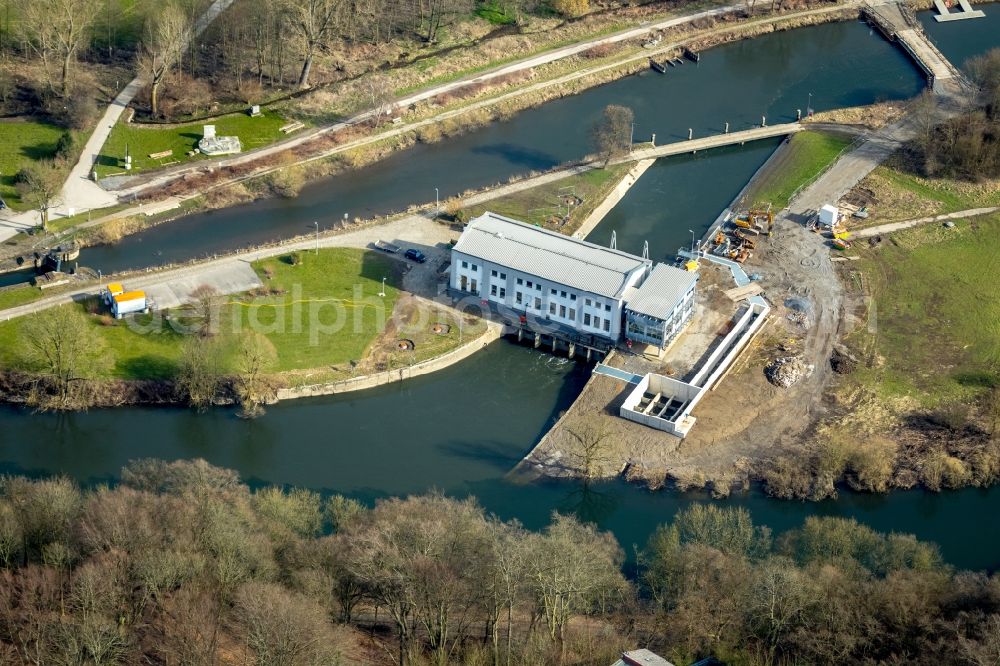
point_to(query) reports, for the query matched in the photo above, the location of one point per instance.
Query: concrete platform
(965, 12)
(230, 278)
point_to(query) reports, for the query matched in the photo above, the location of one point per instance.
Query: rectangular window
(552, 308)
(607, 307)
(475, 290)
(493, 290)
(586, 319)
(572, 297)
(465, 264)
(538, 303)
(562, 311)
(493, 273)
(474, 267)
(552, 291)
(503, 276)
(607, 325)
(597, 322)
(563, 294)
(529, 284)
(538, 287)
(503, 293)
(572, 314)
(587, 302)
(520, 281)
(517, 297)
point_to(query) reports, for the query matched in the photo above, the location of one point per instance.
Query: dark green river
(462, 429)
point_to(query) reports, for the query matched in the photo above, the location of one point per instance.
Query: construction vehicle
(756, 221)
(745, 239)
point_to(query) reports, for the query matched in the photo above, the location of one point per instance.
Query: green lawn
(299, 317)
(336, 289)
(540, 205)
(805, 157)
(11, 298)
(936, 316)
(142, 141)
(22, 143)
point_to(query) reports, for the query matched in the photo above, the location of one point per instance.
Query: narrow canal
(841, 64)
(462, 429)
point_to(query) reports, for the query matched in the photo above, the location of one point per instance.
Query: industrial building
(569, 289)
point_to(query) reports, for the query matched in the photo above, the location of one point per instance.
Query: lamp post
(437, 202)
(809, 105)
(317, 236)
(692, 239)
(382, 293)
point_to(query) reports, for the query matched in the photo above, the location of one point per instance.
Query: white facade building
(546, 275)
(569, 285)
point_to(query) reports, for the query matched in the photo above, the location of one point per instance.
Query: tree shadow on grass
(375, 266)
(148, 366)
(39, 151)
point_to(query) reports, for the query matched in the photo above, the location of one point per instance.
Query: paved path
(410, 231)
(79, 192)
(907, 224)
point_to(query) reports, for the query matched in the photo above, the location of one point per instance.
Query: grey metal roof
(549, 255)
(657, 296)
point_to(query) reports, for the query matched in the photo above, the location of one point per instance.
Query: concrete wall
(616, 195)
(493, 332)
(714, 367)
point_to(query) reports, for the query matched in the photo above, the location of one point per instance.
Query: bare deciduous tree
(315, 21)
(166, 35)
(39, 187)
(64, 347)
(256, 355)
(612, 134)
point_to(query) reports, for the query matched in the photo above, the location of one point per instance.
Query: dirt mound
(842, 361)
(787, 370)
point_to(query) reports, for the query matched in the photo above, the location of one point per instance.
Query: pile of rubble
(785, 371)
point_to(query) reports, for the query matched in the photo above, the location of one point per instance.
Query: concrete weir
(666, 403)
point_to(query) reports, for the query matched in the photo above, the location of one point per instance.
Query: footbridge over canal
(899, 24)
(693, 145)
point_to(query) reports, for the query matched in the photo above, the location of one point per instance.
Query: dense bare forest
(968, 146)
(53, 53)
(182, 563)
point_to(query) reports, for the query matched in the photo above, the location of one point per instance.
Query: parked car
(415, 255)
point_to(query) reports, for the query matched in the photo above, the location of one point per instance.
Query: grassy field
(544, 205)
(11, 298)
(22, 143)
(349, 277)
(805, 157)
(903, 195)
(147, 140)
(934, 322)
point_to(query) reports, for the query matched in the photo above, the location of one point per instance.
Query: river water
(461, 430)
